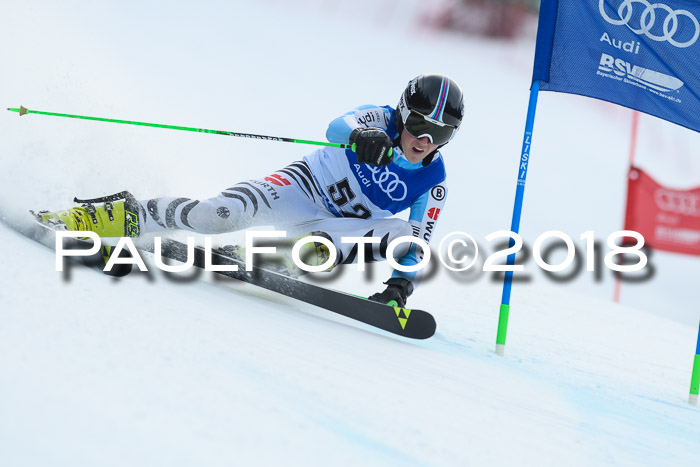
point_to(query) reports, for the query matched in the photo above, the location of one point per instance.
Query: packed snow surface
(155, 369)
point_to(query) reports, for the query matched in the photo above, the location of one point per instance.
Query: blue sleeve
(423, 218)
(368, 116)
(411, 257)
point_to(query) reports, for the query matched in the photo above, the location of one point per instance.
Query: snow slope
(147, 370)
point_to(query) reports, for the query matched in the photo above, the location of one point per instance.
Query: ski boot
(117, 216)
(311, 253)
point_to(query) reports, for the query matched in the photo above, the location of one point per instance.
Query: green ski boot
(116, 216)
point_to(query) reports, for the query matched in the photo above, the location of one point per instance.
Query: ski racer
(396, 165)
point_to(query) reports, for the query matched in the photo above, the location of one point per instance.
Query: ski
(405, 322)
(410, 323)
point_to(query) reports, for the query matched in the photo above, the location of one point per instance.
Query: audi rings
(648, 19)
(380, 178)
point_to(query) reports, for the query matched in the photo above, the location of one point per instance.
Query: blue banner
(636, 53)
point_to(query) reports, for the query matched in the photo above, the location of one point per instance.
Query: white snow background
(147, 370)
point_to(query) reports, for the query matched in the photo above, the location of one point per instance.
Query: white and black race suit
(328, 191)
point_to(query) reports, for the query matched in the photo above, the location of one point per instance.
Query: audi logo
(389, 183)
(687, 204)
(648, 19)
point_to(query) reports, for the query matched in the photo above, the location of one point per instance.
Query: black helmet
(431, 105)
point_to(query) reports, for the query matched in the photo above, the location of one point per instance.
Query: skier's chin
(415, 154)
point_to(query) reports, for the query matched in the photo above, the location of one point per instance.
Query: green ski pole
(23, 111)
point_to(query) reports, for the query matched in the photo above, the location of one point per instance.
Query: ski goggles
(418, 126)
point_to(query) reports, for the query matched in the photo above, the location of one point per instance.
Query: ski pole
(24, 110)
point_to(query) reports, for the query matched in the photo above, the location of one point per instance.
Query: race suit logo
(438, 193)
(223, 212)
(433, 213)
(278, 180)
(389, 183)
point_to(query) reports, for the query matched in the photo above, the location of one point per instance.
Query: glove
(372, 146)
(398, 290)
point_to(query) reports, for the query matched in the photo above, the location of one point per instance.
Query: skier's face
(415, 149)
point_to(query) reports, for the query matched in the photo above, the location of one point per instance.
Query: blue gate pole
(515, 224)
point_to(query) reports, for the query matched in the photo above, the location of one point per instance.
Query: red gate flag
(668, 219)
